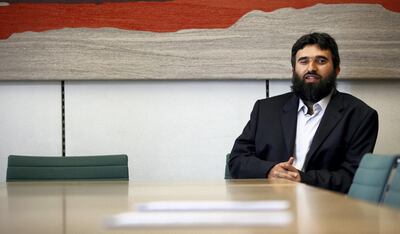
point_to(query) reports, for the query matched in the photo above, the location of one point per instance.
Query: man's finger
(289, 167)
(291, 160)
(294, 174)
(285, 175)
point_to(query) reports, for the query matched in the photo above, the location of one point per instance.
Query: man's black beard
(313, 92)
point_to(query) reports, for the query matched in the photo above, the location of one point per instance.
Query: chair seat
(392, 197)
(227, 172)
(371, 177)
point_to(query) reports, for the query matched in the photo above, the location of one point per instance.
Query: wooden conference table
(82, 207)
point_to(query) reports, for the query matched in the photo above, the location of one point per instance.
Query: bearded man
(314, 134)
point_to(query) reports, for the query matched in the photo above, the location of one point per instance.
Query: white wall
(171, 130)
(30, 120)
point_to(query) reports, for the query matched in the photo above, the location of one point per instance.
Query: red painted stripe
(146, 16)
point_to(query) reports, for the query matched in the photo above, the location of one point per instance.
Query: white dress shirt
(307, 125)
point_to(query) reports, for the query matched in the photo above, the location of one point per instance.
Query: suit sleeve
(244, 163)
(362, 142)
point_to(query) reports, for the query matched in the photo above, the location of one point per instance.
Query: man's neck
(310, 104)
(310, 107)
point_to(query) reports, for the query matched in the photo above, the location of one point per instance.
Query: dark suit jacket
(347, 131)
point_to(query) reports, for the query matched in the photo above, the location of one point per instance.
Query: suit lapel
(289, 122)
(332, 115)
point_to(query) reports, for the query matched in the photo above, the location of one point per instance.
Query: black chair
(99, 167)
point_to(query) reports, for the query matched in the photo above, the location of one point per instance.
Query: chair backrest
(371, 177)
(227, 172)
(99, 167)
(392, 197)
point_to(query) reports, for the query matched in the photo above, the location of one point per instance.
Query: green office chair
(227, 172)
(99, 167)
(371, 177)
(392, 197)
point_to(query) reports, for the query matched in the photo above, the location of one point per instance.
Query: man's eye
(303, 61)
(321, 60)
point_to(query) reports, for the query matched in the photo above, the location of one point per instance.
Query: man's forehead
(313, 51)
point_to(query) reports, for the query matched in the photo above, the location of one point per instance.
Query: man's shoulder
(278, 99)
(352, 101)
(272, 107)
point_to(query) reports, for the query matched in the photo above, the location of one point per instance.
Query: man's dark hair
(323, 40)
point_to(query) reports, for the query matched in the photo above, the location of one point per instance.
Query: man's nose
(312, 66)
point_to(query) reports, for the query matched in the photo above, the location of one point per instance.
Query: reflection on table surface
(81, 207)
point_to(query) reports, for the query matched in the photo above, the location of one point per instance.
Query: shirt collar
(323, 103)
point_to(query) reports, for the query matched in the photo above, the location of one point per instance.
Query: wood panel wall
(242, 40)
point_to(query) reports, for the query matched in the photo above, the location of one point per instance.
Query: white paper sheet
(198, 219)
(259, 205)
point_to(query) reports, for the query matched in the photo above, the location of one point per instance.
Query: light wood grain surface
(81, 207)
(256, 47)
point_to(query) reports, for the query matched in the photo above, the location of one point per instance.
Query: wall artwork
(189, 39)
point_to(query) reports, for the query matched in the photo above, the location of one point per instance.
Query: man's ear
(337, 71)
